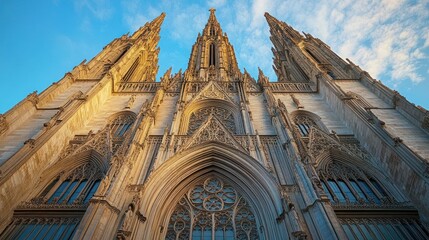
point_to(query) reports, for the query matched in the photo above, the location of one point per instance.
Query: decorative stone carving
(33, 98)
(320, 142)
(201, 115)
(3, 124)
(30, 142)
(99, 142)
(130, 101)
(425, 122)
(212, 91)
(212, 204)
(212, 130)
(128, 219)
(296, 101)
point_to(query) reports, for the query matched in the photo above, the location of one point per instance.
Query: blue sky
(42, 40)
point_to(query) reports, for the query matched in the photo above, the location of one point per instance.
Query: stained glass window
(212, 209)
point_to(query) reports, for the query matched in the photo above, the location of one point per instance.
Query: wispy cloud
(100, 9)
(388, 38)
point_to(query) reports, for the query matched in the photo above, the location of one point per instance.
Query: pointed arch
(171, 180)
(304, 120)
(121, 122)
(374, 178)
(70, 163)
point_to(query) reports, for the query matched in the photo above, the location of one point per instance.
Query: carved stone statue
(128, 218)
(131, 102)
(104, 186)
(294, 219)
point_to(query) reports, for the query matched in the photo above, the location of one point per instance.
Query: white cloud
(216, 3)
(386, 38)
(100, 9)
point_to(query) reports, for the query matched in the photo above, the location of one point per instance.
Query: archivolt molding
(168, 183)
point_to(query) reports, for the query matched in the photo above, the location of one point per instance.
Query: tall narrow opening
(212, 59)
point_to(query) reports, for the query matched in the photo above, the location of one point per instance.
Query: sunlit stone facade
(322, 152)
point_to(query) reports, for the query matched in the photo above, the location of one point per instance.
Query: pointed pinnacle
(158, 20)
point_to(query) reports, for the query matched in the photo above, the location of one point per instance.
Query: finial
(212, 10)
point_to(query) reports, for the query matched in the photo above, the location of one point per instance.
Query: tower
(325, 152)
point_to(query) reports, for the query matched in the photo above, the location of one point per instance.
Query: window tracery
(384, 228)
(77, 188)
(304, 123)
(66, 197)
(200, 116)
(121, 124)
(212, 209)
(345, 185)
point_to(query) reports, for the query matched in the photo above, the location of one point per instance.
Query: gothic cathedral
(108, 152)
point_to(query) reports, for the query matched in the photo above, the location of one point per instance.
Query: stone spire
(282, 28)
(290, 64)
(142, 65)
(154, 27)
(212, 56)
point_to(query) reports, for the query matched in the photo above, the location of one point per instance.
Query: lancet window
(200, 116)
(121, 124)
(56, 212)
(77, 188)
(384, 228)
(344, 185)
(212, 209)
(212, 59)
(351, 187)
(304, 123)
(131, 71)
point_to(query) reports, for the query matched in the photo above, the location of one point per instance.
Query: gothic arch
(170, 181)
(218, 103)
(336, 156)
(72, 162)
(215, 52)
(312, 116)
(58, 205)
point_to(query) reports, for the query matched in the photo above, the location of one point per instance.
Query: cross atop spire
(212, 27)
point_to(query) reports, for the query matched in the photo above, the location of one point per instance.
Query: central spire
(212, 56)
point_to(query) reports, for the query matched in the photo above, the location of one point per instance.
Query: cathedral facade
(324, 152)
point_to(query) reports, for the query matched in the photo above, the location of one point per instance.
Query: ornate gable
(321, 142)
(212, 91)
(212, 130)
(100, 142)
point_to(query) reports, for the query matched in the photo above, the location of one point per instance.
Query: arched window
(77, 188)
(351, 186)
(56, 212)
(200, 116)
(212, 57)
(331, 74)
(121, 124)
(128, 76)
(212, 209)
(304, 123)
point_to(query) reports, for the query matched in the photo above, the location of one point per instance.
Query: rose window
(212, 209)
